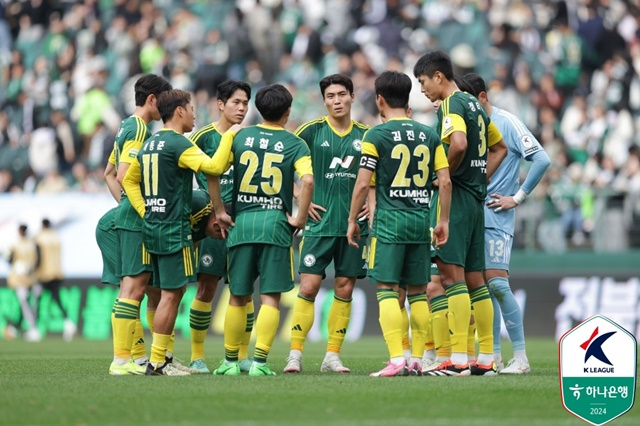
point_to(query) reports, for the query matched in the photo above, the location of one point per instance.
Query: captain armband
(368, 162)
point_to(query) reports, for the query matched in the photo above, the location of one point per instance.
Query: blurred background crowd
(570, 70)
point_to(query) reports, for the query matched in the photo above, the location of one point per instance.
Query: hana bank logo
(593, 348)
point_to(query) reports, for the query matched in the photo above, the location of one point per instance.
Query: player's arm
(223, 219)
(455, 134)
(305, 171)
(195, 159)
(111, 179)
(371, 199)
(131, 185)
(441, 231)
(368, 164)
(497, 150)
(129, 155)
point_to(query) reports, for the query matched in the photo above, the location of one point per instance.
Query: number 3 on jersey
(482, 147)
(271, 174)
(401, 152)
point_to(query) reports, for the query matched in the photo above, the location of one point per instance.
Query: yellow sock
(113, 325)
(234, 326)
(172, 342)
(419, 322)
(471, 337)
(429, 344)
(301, 321)
(459, 316)
(406, 344)
(440, 326)
(151, 315)
(390, 321)
(246, 338)
(138, 349)
(159, 348)
(199, 321)
(266, 329)
(338, 322)
(124, 325)
(483, 313)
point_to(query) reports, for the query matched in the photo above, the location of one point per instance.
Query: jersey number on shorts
(402, 153)
(270, 173)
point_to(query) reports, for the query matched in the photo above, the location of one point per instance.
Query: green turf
(54, 382)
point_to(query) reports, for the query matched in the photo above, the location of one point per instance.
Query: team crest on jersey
(527, 141)
(447, 124)
(357, 145)
(279, 146)
(207, 260)
(309, 260)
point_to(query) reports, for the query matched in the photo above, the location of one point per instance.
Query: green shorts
(316, 253)
(212, 257)
(273, 264)
(465, 246)
(395, 263)
(108, 243)
(132, 258)
(175, 270)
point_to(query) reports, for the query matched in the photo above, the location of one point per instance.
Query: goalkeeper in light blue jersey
(504, 194)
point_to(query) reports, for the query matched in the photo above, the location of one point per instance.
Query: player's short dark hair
(46, 223)
(226, 89)
(169, 101)
(476, 84)
(339, 79)
(394, 87)
(431, 62)
(22, 229)
(273, 101)
(462, 84)
(150, 84)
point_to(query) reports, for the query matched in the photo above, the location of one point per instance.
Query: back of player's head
(476, 84)
(394, 87)
(46, 223)
(150, 84)
(169, 101)
(339, 79)
(462, 84)
(273, 102)
(226, 89)
(431, 62)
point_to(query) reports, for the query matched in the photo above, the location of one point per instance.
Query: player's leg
(439, 324)
(402, 299)
(174, 272)
(243, 353)
(275, 266)
(243, 272)
(385, 268)
(315, 255)
(350, 265)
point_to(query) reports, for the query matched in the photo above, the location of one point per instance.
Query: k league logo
(597, 363)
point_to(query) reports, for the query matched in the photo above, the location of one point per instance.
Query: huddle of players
(399, 161)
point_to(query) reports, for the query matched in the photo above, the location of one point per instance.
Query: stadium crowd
(569, 70)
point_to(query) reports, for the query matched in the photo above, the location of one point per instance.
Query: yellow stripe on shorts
(146, 257)
(291, 261)
(372, 252)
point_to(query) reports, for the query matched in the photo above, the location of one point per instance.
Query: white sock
(459, 358)
(441, 359)
(485, 359)
(406, 353)
(121, 361)
(497, 357)
(414, 359)
(520, 355)
(429, 354)
(398, 360)
(295, 353)
(330, 355)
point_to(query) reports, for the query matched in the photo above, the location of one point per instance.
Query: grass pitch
(58, 383)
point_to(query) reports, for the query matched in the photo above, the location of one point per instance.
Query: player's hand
(435, 184)
(225, 222)
(364, 213)
(295, 223)
(440, 234)
(314, 211)
(501, 202)
(353, 234)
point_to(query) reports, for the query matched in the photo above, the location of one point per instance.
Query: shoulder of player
(361, 126)
(311, 125)
(204, 132)
(509, 123)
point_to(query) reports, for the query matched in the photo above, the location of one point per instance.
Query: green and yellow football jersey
(264, 162)
(335, 158)
(404, 154)
(131, 135)
(462, 112)
(208, 140)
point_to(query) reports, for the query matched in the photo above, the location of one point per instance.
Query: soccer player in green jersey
(164, 175)
(233, 103)
(335, 142)
(403, 154)
(131, 268)
(265, 158)
(474, 149)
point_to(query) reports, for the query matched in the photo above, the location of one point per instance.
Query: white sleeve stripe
(517, 125)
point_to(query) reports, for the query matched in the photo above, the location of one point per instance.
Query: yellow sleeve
(130, 151)
(373, 179)
(452, 123)
(303, 166)
(112, 157)
(494, 134)
(195, 159)
(369, 149)
(131, 186)
(440, 160)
